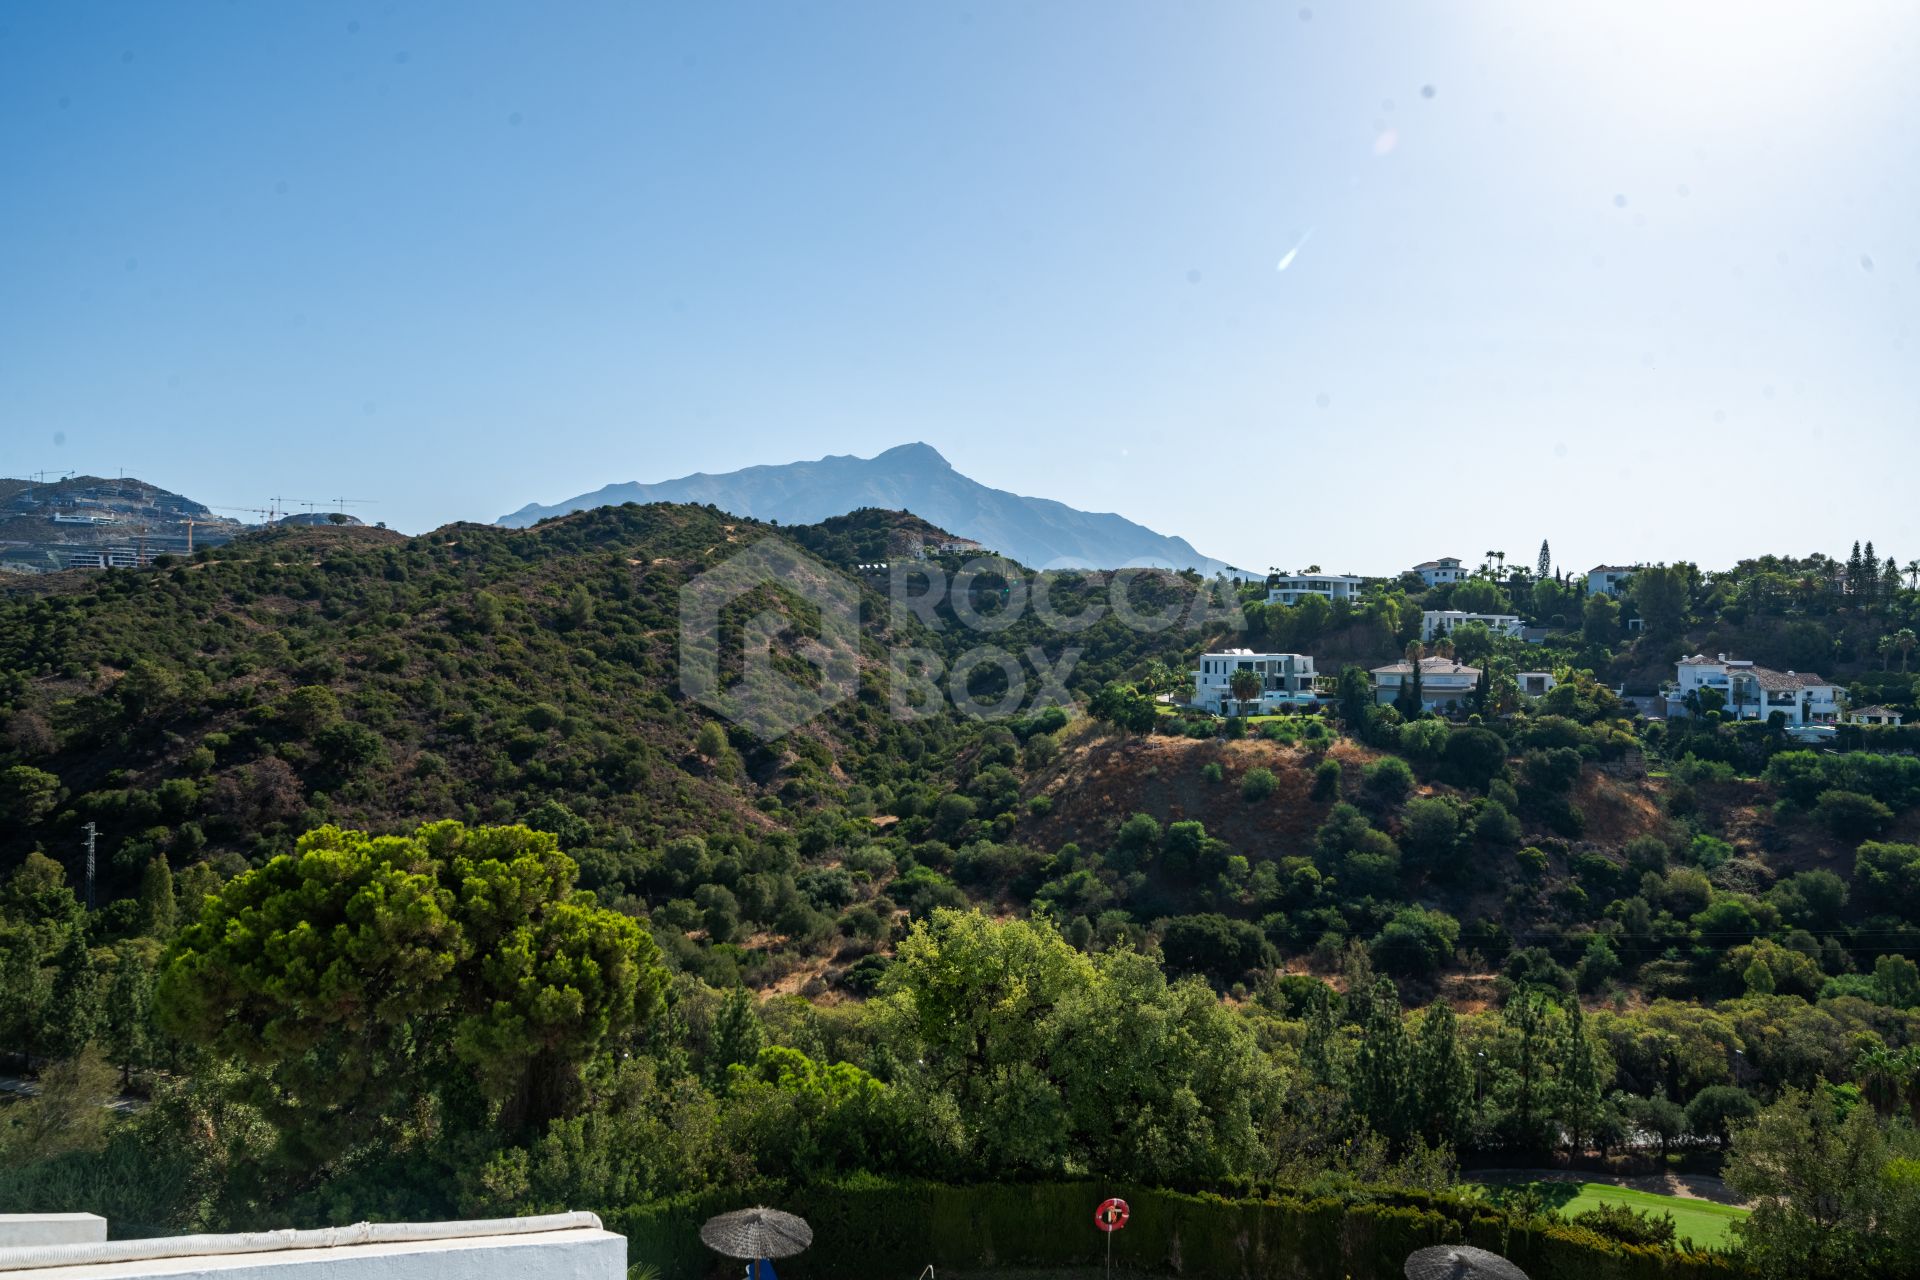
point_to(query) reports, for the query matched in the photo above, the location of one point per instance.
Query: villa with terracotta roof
(1609, 579)
(1753, 692)
(1444, 683)
(1445, 569)
(1874, 715)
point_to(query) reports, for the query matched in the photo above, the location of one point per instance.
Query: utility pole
(91, 833)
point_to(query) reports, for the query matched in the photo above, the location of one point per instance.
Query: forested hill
(212, 708)
(204, 713)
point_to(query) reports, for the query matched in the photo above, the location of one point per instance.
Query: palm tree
(1245, 686)
(1884, 647)
(1904, 640)
(1913, 575)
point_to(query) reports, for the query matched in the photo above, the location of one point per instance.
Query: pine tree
(72, 1013)
(1853, 570)
(1580, 1083)
(129, 1013)
(737, 1036)
(1443, 1083)
(1382, 1068)
(1528, 1013)
(1869, 575)
(1546, 561)
(1318, 1056)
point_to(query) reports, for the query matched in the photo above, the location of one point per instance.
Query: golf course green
(1704, 1222)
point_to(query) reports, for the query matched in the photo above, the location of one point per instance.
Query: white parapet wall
(18, 1230)
(558, 1247)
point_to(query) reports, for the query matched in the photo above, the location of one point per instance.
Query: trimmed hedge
(866, 1227)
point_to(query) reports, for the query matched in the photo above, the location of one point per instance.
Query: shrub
(1495, 825)
(1416, 942)
(1213, 945)
(1257, 785)
(1628, 1226)
(1851, 815)
(1388, 780)
(1211, 771)
(1326, 780)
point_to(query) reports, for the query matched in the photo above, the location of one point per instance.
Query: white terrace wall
(578, 1254)
(20, 1229)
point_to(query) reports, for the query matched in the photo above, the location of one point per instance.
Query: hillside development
(422, 875)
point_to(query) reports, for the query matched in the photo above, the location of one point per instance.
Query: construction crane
(272, 512)
(333, 504)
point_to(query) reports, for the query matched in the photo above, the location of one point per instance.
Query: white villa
(1290, 588)
(1437, 622)
(1445, 569)
(1754, 692)
(1285, 679)
(1444, 683)
(1535, 684)
(1609, 579)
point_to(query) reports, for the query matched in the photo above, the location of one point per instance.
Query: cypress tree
(157, 903)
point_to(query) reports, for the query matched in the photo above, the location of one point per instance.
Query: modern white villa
(1445, 569)
(1609, 579)
(1444, 683)
(1751, 692)
(1286, 679)
(1535, 684)
(1291, 588)
(1437, 622)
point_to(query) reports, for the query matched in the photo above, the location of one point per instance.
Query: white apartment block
(1286, 679)
(1445, 569)
(1609, 579)
(1291, 588)
(1754, 692)
(1444, 683)
(1437, 622)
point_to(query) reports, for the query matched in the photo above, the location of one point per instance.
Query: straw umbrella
(756, 1233)
(1460, 1262)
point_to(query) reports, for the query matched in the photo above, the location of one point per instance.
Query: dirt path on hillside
(1686, 1186)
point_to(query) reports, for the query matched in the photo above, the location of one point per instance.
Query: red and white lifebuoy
(1111, 1215)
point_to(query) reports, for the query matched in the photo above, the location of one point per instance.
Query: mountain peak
(909, 477)
(917, 453)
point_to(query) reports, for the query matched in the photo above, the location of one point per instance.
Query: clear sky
(1641, 278)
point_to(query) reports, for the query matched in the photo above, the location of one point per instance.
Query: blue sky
(1639, 278)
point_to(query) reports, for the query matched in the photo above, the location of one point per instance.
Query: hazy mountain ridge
(1039, 532)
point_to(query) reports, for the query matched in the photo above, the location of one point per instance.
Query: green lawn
(1702, 1221)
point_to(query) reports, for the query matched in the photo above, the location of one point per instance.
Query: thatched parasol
(758, 1233)
(1460, 1262)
